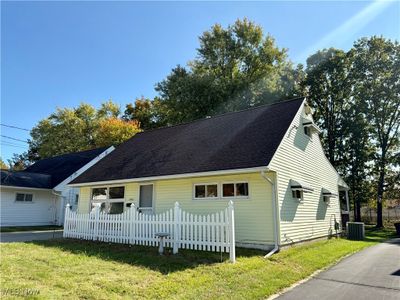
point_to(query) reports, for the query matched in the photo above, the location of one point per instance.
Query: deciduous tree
(77, 129)
(235, 68)
(376, 68)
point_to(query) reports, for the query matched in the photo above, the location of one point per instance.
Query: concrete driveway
(26, 236)
(373, 273)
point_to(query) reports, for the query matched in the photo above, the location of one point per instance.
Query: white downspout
(274, 205)
(55, 206)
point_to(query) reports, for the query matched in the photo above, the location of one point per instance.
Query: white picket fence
(212, 232)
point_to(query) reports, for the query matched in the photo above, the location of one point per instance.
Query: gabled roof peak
(235, 140)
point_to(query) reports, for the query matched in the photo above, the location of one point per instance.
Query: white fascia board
(176, 176)
(290, 128)
(341, 182)
(65, 182)
(24, 188)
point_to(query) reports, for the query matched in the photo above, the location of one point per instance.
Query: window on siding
(307, 131)
(235, 190)
(327, 200)
(99, 194)
(117, 192)
(205, 191)
(297, 194)
(21, 197)
(228, 190)
(242, 189)
(109, 199)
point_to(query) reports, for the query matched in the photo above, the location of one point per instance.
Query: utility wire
(15, 127)
(12, 145)
(11, 138)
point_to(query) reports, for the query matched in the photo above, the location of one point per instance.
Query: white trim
(234, 197)
(24, 188)
(310, 123)
(205, 184)
(175, 176)
(287, 133)
(328, 193)
(17, 192)
(301, 199)
(108, 200)
(152, 208)
(84, 168)
(301, 186)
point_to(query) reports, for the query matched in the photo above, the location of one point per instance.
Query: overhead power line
(12, 145)
(11, 138)
(15, 127)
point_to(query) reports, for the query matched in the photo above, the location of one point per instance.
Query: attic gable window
(310, 127)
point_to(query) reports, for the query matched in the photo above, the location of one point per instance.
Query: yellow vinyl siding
(302, 158)
(298, 157)
(84, 197)
(254, 222)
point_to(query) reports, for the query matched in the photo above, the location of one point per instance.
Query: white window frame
(301, 199)
(310, 133)
(25, 193)
(151, 209)
(234, 190)
(326, 199)
(205, 184)
(107, 187)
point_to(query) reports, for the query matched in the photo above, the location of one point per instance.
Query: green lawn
(29, 228)
(87, 270)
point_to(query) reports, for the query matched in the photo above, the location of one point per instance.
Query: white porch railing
(212, 232)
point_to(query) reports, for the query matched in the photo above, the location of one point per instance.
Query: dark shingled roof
(49, 172)
(238, 140)
(25, 179)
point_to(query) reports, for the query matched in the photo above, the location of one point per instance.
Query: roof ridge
(23, 171)
(73, 153)
(221, 115)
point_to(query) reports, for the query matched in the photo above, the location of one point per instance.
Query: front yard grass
(72, 269)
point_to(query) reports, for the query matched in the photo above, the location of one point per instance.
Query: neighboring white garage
(27, 207)
(38, 194)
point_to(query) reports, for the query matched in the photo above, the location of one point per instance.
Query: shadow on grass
(378, 235)
(144, 256)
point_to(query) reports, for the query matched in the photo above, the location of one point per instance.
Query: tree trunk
(379, 218)
(358, 211)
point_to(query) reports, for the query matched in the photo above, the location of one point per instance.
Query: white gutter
(23, 188)
(274, 207)
(166, 177)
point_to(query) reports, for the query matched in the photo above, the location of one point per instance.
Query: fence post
(66, 217)
(96, 221)
(131, 220)
(231, 218)
(177, 229)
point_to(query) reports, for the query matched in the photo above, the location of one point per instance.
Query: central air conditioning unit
(355, 231)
